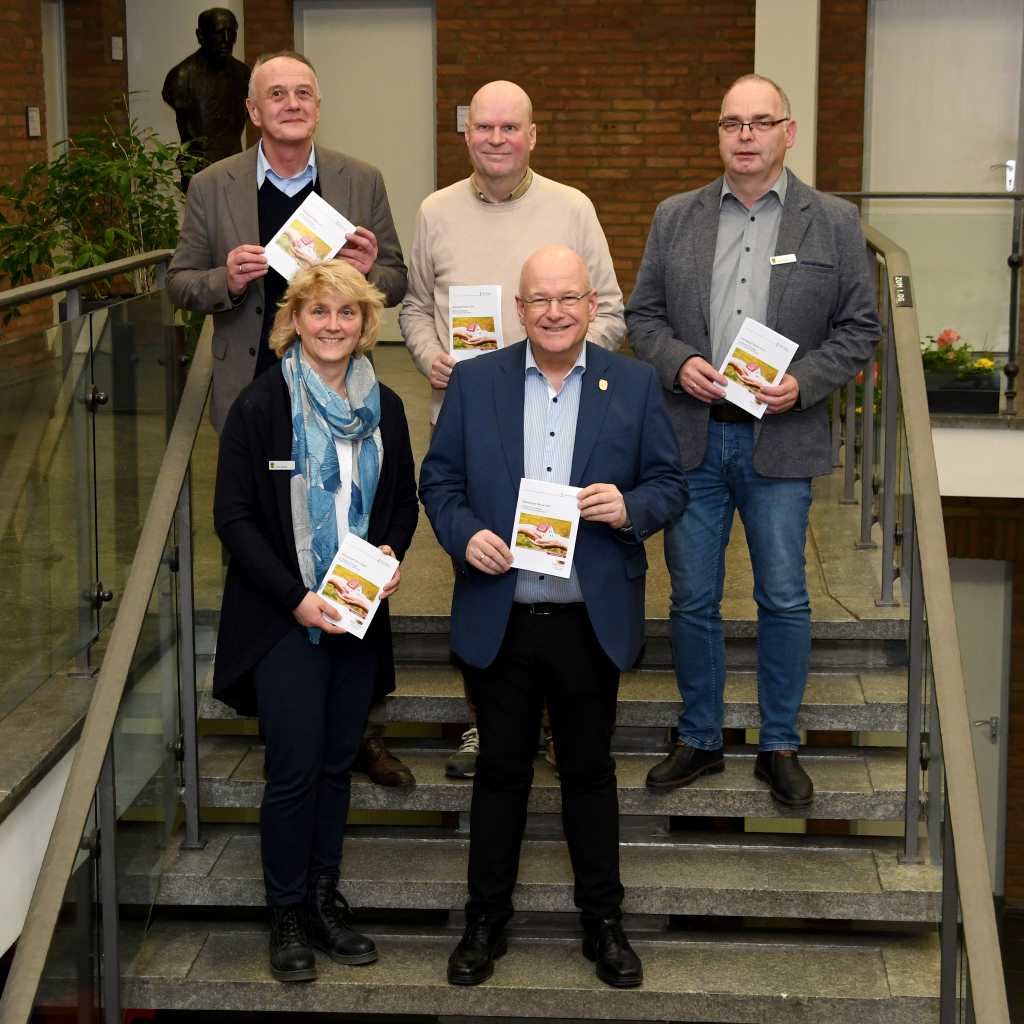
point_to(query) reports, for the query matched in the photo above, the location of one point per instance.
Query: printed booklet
(353, 584)
(474, 320)
(757, 356)
(547, 518)
(313, 233)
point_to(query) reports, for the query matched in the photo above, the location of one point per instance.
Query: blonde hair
(332, 276)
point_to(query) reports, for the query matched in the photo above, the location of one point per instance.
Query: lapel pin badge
(603, 384)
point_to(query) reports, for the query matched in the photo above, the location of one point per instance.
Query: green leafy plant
(110, 194)
(942, 354)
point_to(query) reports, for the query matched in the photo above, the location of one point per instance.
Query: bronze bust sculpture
(208, 88)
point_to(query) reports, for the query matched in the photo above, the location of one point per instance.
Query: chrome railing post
(915, 675)
(837, 429)
(949, 926)
(110, 975)
(867, 458)
(850, 450)
(78, 371)
(187, 665)
(936, 781)
(890, 424)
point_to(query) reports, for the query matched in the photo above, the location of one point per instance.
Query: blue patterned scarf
(319, 415)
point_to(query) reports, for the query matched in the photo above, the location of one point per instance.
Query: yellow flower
(984, 364)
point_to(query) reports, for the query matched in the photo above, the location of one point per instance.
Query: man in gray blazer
(755, 243)
(235, 206)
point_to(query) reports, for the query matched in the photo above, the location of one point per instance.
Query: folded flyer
(353, 584)
(474, 320)
(547, 519)
(757, 356)
(312, 234)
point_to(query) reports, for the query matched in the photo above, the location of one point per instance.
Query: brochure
(358, 573)
(474, 320)
(757, 356)
(313, 233)
(547, 519)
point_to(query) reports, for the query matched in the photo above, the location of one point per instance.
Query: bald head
(500, 135)
(554, 261)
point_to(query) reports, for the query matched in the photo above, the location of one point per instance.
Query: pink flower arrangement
(947, 338)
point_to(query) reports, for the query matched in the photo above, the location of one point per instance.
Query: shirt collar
(517, 193)
(779, 188)
(264, 170)
(531, 363)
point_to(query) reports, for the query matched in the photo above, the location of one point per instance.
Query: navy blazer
(824, 301)
(252, 514)
(469, 481)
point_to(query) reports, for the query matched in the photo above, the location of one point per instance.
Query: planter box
(977, 394)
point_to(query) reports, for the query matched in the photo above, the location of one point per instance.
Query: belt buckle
(541, 608)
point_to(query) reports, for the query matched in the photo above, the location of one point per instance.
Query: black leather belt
(547, 608)
(728, 413)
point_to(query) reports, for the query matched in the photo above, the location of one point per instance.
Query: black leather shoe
(617, 965)
(291, 957)
(790, 785)
(683, 765)
(472, 960)
(328, 927)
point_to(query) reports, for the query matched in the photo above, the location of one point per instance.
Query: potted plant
(956, 378)
(111, 193)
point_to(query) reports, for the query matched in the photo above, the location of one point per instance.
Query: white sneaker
(462, 763)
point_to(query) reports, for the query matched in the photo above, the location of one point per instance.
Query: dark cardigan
(252, 516)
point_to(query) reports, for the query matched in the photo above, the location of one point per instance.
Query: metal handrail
(988, 989)
(48, 896)
(66, 282)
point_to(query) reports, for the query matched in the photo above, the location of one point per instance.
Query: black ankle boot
(483, 941)
(328, 930)
(605, 944)
(291, 957)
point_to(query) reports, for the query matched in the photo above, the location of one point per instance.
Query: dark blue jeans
(774, 513)
(313, 703)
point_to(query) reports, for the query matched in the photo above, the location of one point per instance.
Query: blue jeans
(774, 513)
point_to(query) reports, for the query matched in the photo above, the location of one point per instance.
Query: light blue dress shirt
(289, 186)
(549, 436)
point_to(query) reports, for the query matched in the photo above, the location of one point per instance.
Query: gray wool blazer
(824, 302)
(221, 212)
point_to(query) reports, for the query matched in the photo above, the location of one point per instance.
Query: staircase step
(713, 875)
(770, 977)
(864, 701)
(852, 783)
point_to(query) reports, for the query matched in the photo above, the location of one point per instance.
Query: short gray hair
(786, 109)
(265, 58)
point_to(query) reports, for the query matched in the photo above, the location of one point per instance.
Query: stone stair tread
(867, 701)
(750, 876)
(222, 965)
(853, 783)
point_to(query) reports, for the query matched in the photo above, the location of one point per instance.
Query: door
(375, 62)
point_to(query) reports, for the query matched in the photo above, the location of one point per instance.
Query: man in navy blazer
(755, 243)
(560, 409)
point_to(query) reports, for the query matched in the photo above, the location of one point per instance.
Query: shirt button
(552, 434)
(747, 249)
(252, 351)
(549, 469)
(259, 311)
(739, 311)
(540, 577)
(752, 219)
(743, 280)
(554, 399)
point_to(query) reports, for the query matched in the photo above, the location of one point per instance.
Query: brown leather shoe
(381, 765)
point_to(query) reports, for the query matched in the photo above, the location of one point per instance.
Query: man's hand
(441, 371)
(603, 503)
(392, 584)
(780, 397)
(313, 610)
(245, 263)
(699, 379)
(488, 553)
(361, 250)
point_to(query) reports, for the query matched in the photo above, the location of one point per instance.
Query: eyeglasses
(732, 125)
(564, 301)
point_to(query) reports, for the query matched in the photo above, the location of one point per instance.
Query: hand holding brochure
(312, 234)
(353, 584)
(547, 519)
(757, 356)
(474, 320)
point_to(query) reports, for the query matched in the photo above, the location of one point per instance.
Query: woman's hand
(314, 612)
(392, 584)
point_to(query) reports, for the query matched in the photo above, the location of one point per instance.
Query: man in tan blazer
(236, 205)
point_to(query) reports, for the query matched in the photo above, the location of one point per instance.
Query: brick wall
(842, 46)
(21, 86)
(269, 26)
(625, 95)
(994, 528)
(95, 82)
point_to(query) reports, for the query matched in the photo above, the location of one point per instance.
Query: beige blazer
(221, 213)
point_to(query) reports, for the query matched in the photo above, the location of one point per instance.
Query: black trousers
(313, 702)
(555, 657)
